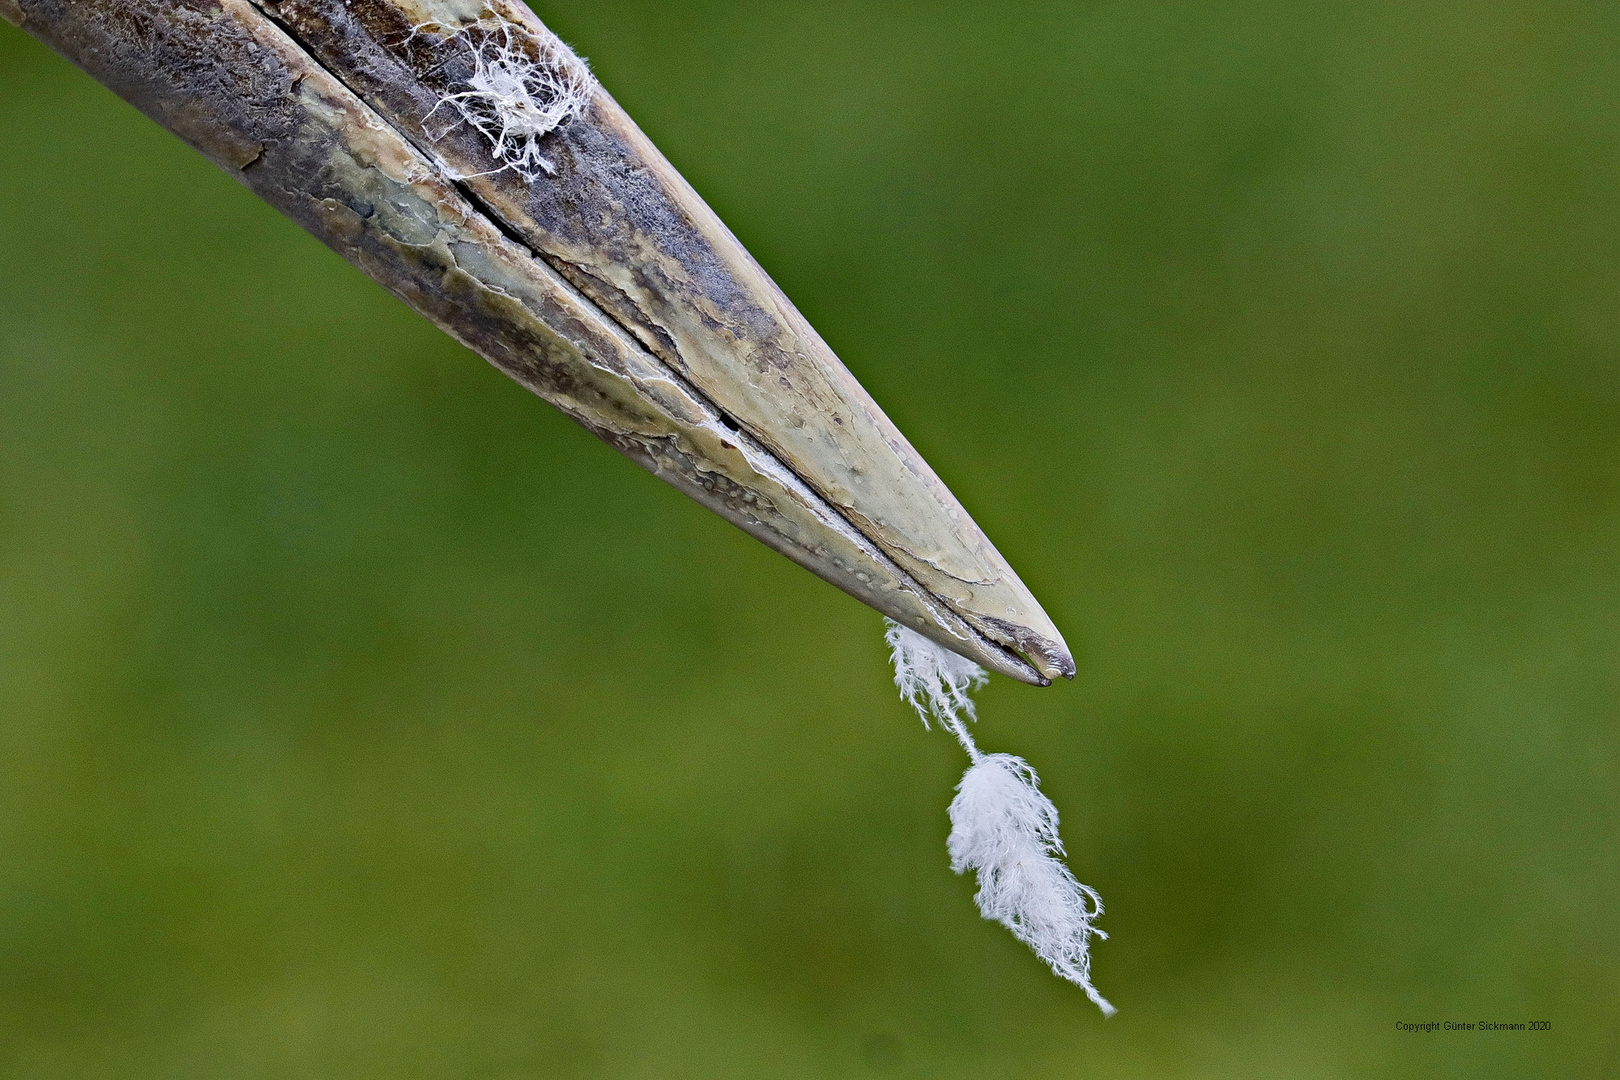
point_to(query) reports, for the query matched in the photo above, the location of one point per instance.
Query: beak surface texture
(604, 284)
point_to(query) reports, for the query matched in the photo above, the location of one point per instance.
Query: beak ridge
(620, 224)
(605, 285)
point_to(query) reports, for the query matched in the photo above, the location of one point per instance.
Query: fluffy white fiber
(525, 84)
(1002, 827)
(934, 680)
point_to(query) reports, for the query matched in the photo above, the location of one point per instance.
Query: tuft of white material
(1002, 826)
(525, 84)
(933, 680)
(1006, 830)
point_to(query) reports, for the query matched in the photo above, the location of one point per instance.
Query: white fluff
(525, 84)
(1002, 827)
(933, 680)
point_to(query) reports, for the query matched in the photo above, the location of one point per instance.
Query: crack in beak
(605, 285)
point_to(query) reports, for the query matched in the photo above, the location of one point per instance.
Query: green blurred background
(361, 717)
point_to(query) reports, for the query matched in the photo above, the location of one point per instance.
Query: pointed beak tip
(1063, 669)
(1035, 641)
(1052, 672)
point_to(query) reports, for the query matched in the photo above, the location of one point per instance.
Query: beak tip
(1060, 663)
(1050, 658)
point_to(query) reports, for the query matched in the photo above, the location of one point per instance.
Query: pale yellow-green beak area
(604, 284)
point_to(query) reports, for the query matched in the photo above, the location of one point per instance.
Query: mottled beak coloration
(572, 256)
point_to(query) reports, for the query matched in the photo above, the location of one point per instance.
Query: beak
(589, 271)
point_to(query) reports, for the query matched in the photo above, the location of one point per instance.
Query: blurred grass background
(361, 717)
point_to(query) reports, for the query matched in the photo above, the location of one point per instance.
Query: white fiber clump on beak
(525, 84)
(1002, 827)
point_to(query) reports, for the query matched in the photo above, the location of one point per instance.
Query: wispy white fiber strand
(524, 85)
(1002, 826)
(935, 681)
(1006, 830)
